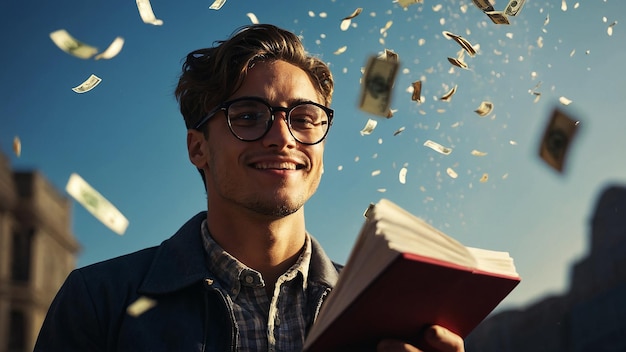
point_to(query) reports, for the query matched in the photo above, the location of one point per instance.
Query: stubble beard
(275, 207)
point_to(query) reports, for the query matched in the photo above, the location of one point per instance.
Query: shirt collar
(232, 274)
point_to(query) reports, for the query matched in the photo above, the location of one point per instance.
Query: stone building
(591, 315)
(37, 252)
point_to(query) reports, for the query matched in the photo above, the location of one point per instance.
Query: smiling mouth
(277, 166)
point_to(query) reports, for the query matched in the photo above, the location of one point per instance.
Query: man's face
(275, 175)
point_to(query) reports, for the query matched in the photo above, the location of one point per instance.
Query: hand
(436, 338)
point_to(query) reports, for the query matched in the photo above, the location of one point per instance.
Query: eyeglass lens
(249, 120)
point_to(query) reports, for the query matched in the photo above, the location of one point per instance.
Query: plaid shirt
(278, 324)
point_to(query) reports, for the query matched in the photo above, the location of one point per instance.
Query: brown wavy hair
(211, 75)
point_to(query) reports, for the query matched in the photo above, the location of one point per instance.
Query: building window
(20, 263)
(17, 331)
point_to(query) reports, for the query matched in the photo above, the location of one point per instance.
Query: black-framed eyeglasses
(250, 118)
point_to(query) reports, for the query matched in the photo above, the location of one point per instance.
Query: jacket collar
(180, 262)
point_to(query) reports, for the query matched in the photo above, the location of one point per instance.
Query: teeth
(277, 165)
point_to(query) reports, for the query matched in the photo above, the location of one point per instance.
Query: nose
(279, 134)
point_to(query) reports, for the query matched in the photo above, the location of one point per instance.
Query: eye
(248, 114)
(307, 116)
(246, 118)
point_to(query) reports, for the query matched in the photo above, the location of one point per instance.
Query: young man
(245, 275)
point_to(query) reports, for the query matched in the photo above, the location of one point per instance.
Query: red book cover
(411, 293)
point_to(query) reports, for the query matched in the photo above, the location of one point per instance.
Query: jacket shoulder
(123, 268)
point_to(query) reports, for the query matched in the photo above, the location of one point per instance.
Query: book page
(494, 261)
(409, 234)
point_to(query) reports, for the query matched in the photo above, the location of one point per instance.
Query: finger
(395, 346)
(444, 340)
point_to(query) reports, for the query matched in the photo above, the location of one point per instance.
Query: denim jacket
(89, 311)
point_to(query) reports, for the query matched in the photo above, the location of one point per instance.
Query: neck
(268, 245)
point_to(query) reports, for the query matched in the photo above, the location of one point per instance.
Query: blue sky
(127, 139)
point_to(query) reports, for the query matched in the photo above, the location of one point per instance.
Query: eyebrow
(290, 102)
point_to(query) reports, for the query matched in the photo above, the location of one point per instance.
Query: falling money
(17, 146)
(377, 84)
(72, 46)
(114, 48)
(402, 175)
(484, 109)
(346, 21)
(557, 139)
(437, 147)
(217, 4)
(88, 85)
(484, 5)
(449, 94)
(466, 45)
(369, 127)
(146, 13)
(407, 3)
(417, 91)
(96, 204)
(140, 306)
(498, 17)
(513, 7)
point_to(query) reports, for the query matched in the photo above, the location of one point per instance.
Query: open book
(403, 275)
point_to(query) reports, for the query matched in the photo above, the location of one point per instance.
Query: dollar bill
(369, 127)
(484, 178)
(565, 100)
(341, 50)
(114, 48)
(217, 4)
(609, 29)
(390, 55)
(89, 84)
(449, 94)
(353, 14)
(464, 43)
(146, 13)
(71, 45)
(484, 108)
(346, 21)
(17, 146)
(377, 86)
(96, 204)
(514, 7)
(458, 63)
(252, 18)
(402, 175)
(450, 171)
(407, 3)
(417, 91)
(438, 147)
(399, 130)
(557, 139)
(484, 5)
(140, 306)
(498, 17)
(478, 153)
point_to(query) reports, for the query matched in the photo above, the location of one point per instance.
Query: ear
(196, 148)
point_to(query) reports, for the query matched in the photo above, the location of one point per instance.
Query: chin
(277, 206)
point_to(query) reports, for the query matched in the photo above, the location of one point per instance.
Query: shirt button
(249, 279)
(234, 291)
